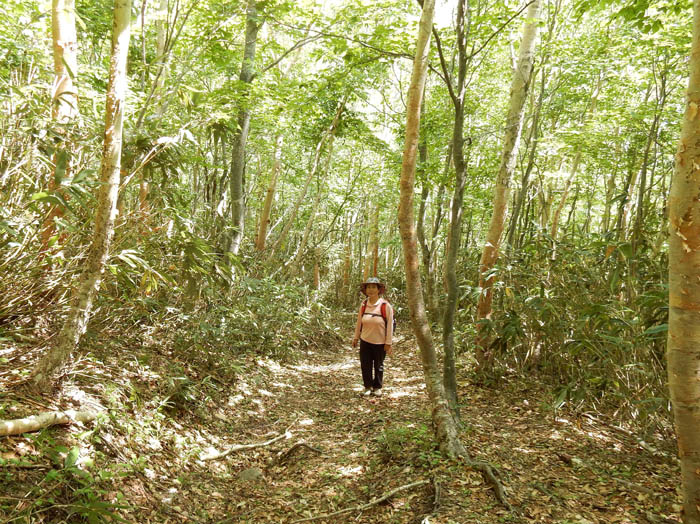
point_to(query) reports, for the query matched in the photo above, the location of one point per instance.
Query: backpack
(383, 310)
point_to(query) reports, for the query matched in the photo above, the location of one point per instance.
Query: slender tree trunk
(651, 140)
(574, 168)
(663, 230)
(444, 424)
(347, 266)
(454, 235)
(570, 220)
(610, 190)
(240, 139)
(312, 217)
(372, 260)
(270, 195)
(420, 225)
(432, 287)
(554, 231)
(683, 350)
(90, 279)
(64, 99)
(161, 41)
(625, 206)
(65, 61)
(327, 135)
(298, 257)
(522, 195)
(422, 206)
(514, 122)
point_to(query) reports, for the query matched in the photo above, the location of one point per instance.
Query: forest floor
(339, 451)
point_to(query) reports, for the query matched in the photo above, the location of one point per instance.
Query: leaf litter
(339, 450)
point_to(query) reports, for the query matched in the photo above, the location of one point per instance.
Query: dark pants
(372, 358)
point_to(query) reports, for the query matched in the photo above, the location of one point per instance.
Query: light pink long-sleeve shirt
(373, 329)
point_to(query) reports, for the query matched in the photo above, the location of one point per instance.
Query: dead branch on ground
(283, 456)
(233, 449)
(371, 503)
(44, 420)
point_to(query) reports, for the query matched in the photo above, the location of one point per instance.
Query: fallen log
(44, 420)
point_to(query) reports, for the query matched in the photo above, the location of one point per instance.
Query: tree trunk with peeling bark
(64, 100)
(269, 196)
(443, 422)
(514, 123)
(65, 61)
(89, 283)
(683, 351)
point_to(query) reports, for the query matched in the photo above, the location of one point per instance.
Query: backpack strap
(382, 308)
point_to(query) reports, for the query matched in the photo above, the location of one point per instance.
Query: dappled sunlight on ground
(337, 449)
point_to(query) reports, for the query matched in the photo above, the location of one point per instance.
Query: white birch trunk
(64, 98)
(511, 141)
(64, 95)
(90, 279)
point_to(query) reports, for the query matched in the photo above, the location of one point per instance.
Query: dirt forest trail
(343, 451)
(555, 469)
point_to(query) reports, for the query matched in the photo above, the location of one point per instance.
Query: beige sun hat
(373, 280)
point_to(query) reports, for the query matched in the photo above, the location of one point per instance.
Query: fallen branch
(282, 457)
(44, 420)
(641, 443)
(637, 487)
(20, 465)
(371, 503)
(233, 449)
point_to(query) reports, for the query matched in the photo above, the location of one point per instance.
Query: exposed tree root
(438, 494)
(371, 503)
(490, 477)
(218, 455)
(44, 420)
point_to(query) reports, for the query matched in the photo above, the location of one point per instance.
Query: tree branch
(371, 503)
(497, 31)
(299, 44)
(217, 455)
(320, 33)
(443, 65)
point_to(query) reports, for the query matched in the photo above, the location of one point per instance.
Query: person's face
(372, 290)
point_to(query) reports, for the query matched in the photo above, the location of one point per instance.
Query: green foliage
(263, 318)
(410, 444)
(72, 490)
(579, 328)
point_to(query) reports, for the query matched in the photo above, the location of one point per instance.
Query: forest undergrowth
(178, 389)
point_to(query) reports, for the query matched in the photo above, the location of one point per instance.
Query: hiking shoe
(377, 392)
(367, 392)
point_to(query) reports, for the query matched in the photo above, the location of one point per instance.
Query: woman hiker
(374, 330)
